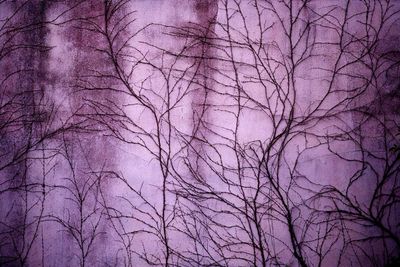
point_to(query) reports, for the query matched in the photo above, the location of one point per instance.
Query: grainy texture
(199, 133)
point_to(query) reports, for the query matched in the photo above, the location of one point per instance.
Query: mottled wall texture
(200, 133)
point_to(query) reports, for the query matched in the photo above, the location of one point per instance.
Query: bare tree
(29, 120)
(261, 186)
(268, 128)
(156, 135)
(83, 188)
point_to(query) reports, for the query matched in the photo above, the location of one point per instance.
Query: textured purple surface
(199, 133)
